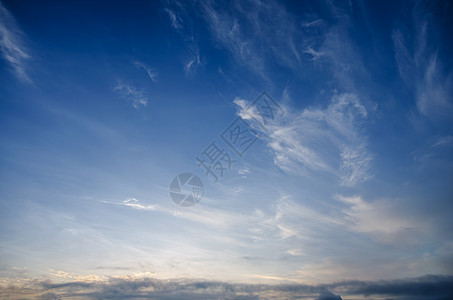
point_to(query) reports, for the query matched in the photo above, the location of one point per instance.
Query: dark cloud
(433, 287)
(425, 287)
(327, 295)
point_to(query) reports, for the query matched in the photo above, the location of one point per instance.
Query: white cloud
(194, 62)
(134, 203)
(438, 149)
(421, 69)
(355, 164)
(379, 218)
(329, 47)
(244, 172)
(176, 21)
(252, 31)
(296, 252)
(434, 90)
(203, 214)
(290, 219)
(443, 141)
(319, 140)
(137, 97)
(181, 21)
(151, 73)
(11, 44)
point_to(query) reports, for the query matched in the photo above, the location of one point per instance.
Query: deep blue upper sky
(103, 103)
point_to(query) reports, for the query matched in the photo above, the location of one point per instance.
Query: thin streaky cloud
(204, 215)
(329, 46)
(182, 23)
(151, 73)
(12, 45)
(195, 61)
(446, 140)
(299, 140)
(421, 69)
(432, 149)
(134, 203)
(269, 21)
(132, 94)
(435, 90)
(176, 21)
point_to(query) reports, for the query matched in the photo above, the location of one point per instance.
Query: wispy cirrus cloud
(249, 30)
(181, 22)
(176, 21)
(134, 203)
(132, 94)
(12, 45)
(421, 67)
(204, 215)
(434, 152)
(354, 214)
(326, 139)
(152, 74)
(298, 232)
(194, 62)
(329, 47)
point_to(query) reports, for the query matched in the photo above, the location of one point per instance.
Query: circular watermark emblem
(186, 189)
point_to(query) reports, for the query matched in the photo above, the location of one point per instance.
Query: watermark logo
(218, 157)
(267, 109)
(239, 136)
(186, 189)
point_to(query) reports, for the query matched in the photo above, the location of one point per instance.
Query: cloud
(260, 35)
(438, 149)
(134, 203)
(425, 287)
(378, 218)
(421, 288)
(355, 163)
(443, 141)
(243, 172)
(314, 236)
(130, 93)
(421, 67)
(252, 31)
(151, 73)
(329, 45)
(12, 46)
(296, 252)
(176, 21)
(138, 97)
(293, 223)
(194, 62)
(327, 295)
(181, 21)
(213, 217)
(328, 140)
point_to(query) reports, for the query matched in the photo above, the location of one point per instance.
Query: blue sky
(103, 104)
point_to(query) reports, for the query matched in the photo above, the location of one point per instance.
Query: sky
(226, 150)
